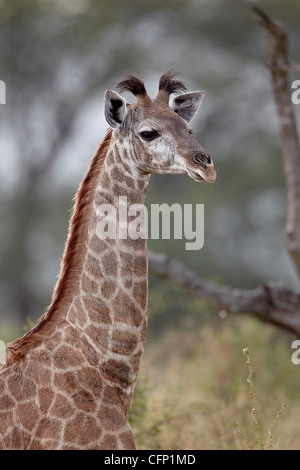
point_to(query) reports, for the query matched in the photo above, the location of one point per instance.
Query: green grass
(199, 394)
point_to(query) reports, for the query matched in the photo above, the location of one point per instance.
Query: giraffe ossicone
(68, 382)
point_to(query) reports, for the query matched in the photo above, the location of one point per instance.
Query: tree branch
(278, 63)
(272, 302)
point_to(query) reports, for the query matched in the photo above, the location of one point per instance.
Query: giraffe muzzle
(203, 167)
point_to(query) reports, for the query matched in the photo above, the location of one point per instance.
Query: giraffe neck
(110, 304)
(102, 288)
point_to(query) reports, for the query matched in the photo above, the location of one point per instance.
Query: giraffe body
(68, 383)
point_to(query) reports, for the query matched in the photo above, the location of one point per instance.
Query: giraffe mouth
(195, 175)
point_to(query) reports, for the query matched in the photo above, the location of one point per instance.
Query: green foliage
(29, 324)
(199, 392)
(172, 305)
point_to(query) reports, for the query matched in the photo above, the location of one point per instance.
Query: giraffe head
(156, 132)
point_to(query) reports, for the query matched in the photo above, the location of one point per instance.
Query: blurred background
(57, 57)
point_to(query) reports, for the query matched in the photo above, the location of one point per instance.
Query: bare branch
(279, 66)
(272, 303)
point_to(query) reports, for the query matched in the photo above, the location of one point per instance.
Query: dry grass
(196, 394)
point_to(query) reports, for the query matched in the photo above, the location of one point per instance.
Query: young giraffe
(68, 383)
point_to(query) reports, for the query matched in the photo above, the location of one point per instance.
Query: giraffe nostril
(202, 158)
(197, 158)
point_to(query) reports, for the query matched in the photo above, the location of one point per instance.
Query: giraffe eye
(149, 135)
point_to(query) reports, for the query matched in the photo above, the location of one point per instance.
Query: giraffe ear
(187, 104)
(114, 109)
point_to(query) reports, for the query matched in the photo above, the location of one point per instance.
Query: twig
(252, 394)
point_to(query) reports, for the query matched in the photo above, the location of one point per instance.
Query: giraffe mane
(71, 260)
